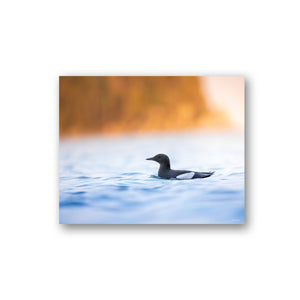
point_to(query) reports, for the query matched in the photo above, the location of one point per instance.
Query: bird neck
(165, 166)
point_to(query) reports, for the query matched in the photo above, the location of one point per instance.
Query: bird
(166, 172)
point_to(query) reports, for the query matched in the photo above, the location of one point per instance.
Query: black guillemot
(166, 172)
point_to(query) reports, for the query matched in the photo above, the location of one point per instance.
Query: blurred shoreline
(124, 134)
(115, 105)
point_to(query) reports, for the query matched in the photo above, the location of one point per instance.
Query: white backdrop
(41, 259)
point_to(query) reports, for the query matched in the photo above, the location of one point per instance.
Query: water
(107, 180)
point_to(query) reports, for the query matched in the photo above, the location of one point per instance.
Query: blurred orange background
(117, 104)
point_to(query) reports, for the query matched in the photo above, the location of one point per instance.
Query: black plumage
(165, 170)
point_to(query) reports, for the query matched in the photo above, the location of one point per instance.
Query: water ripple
(94, 190)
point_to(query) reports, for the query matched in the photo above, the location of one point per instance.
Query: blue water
(107, 180)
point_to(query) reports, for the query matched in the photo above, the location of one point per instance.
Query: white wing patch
(186, 175)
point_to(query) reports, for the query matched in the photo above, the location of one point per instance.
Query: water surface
(107, 179)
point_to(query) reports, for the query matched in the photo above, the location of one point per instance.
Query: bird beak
(150, 158)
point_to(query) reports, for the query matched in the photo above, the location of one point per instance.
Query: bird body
(166, 172)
